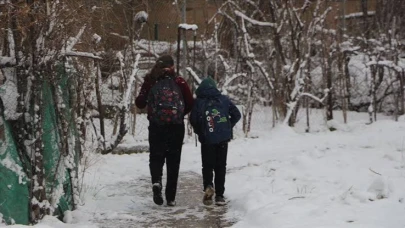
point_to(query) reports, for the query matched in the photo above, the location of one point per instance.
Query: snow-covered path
(121, 196)
(189, 212)
(352, 177)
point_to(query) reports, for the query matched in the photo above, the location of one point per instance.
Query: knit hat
(208, 82)
(165, 61)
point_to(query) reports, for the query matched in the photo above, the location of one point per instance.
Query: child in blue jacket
(213, 116)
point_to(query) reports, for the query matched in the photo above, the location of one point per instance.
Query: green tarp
(14, 196)
(14, 184)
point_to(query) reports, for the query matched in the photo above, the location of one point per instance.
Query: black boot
(157, 193)
(220, 200)
(171, 203)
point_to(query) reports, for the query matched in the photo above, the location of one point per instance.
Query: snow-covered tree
(274, 42)
(289, 50)
(39, 49)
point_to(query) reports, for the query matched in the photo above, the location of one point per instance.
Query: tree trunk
(342, 89)
(329, 104)
(100, 104)
(135, 109)
(348, 83)
(249, 104)
(39, 202)
(20, 126)
(364, 9)
(401, 92)
(373, 93)
(307, 90)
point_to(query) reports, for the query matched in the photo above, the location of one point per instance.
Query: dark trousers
(165, 144)
(214, 161)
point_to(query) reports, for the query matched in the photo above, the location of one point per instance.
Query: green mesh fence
(53, 160)
(14, 185)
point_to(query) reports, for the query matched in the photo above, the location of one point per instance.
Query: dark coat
(207, 90)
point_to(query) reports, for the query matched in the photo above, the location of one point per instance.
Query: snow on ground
(320, 180)
(282, 177)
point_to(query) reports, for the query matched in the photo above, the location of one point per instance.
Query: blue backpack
(216, 126)
(166, 102)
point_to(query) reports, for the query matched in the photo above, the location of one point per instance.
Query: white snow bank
(345, 178)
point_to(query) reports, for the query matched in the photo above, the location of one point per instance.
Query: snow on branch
(6, 61)
(82, 54)
(264, 72)
(9, 60)
(123, 125)
(139, 78)
(73, 40)
(320, 20)
(11, 43)
(326, 31)
(229, 18)
(139, 44)
(11, 165)
(320, 100)
(325, 13)
(255, 22)
(120, 36)
(193, 27)
(306, 4)
(135, 69)
(356, 15)
(226, 65)
(386, 63)
(245, 39)
(257, 8)
(52, 17)
(96, 38)
(221, 12)
(195, 76)
(233, 77)
(141, 16)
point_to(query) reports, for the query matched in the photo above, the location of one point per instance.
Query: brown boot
(209, 193)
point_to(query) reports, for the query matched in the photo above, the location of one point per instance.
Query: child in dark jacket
(214, 132)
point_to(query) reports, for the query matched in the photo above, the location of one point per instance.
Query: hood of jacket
(207, 88)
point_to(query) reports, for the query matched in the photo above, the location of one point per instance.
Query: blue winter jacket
(207, 89)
